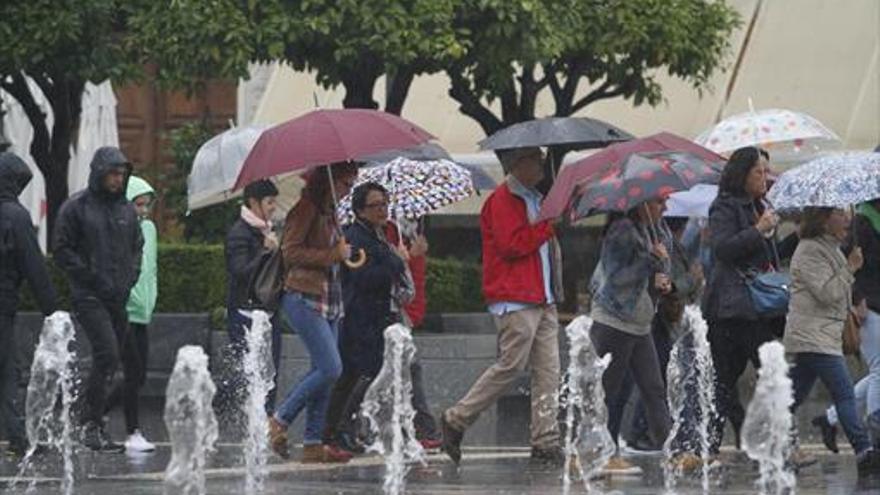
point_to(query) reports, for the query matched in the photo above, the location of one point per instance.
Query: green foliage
(192, 278)
(205, 225)
(518, 48)
(453, 287)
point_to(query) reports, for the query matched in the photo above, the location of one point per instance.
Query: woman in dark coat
(374, 295)
(742, 232)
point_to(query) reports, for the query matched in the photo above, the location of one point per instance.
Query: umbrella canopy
(217, 165)
(774, 129)
(426, 151)
(694, 202)
(322, 137)
(97, 128)
(836, 180)
(560, 195)
(415, 188)
(641, 177)
(575, 132)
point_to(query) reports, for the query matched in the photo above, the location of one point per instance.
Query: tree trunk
(359, 90)
(397, 89)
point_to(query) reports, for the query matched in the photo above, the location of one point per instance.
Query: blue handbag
(770, 292)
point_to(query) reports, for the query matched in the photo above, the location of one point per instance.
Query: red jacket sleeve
(511, 233)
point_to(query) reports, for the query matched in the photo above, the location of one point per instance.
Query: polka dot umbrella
(415, 188)
(640, 177)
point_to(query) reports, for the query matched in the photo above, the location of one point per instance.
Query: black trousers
(10, 407)
(348, 394)
(135, 353)
(635, 355)
(106, 327)
(735, 343)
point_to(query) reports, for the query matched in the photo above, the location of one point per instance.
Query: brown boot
(325, 454)
(278, 438)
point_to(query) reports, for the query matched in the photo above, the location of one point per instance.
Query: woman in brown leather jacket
(312, 249)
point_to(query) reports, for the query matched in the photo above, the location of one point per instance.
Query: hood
(137, 187)
(106, 158)
(14, 175)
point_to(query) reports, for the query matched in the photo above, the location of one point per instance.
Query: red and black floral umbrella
(640, 177)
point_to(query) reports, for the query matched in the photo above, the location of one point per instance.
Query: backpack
(267, 282)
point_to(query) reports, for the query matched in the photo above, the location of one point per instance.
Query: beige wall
(815, 56)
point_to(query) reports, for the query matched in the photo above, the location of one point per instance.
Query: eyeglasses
(383, 205)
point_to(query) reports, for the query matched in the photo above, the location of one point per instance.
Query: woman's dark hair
(260, 189)
(740, 163)
(360, 193)
(813, 221)
(318, 180)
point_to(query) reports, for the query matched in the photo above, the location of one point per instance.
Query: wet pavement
(483, 471)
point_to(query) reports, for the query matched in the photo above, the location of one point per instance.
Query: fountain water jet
(52, 377)
(588, 444)
(387, 407)
(766, 431)
(259, 372)
(190, 421)
(691, 395)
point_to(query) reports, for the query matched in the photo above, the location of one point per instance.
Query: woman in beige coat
(821, 299)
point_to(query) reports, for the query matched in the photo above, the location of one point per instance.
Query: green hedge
(192, 278)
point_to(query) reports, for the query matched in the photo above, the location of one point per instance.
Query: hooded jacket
(142, 300)
(20, 255)
(98, 239)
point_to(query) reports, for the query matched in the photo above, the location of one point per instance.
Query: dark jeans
(236, 325)
(635, 354)
(135, 355)
(10, 407)
(106, 327)
(660, 332)
(348, 394)
(831, 371)
(734, 344)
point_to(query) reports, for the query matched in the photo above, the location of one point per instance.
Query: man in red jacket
(521, 284)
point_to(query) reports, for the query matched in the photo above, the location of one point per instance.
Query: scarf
(256, 222)
(868, 211)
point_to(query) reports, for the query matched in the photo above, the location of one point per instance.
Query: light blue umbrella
(836, 180)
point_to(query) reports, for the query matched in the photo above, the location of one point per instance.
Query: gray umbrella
(573, 132)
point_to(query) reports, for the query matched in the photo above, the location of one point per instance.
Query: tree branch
(470, 104)
(397, 89)
(600, 93)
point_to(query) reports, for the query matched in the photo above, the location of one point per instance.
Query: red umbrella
(560, 195)
(322, 137)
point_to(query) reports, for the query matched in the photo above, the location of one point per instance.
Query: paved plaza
(483, 471)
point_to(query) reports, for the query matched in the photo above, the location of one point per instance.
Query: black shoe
(549, 457)
(96, 439)
(451, 440)
(349, 442)
(868, 462)
(829, 432)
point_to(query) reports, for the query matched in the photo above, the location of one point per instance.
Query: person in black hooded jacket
(98, 243)
(20, 258)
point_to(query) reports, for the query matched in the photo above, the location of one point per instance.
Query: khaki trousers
(527, 337)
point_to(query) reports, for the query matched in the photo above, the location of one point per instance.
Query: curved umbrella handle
(358, 261)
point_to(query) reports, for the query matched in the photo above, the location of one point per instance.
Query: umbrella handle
(358, 261)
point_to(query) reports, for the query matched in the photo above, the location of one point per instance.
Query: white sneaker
(137, 443)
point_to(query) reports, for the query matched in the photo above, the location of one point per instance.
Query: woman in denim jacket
(632, 272)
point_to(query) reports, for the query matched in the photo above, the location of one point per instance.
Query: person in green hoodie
(141, 302)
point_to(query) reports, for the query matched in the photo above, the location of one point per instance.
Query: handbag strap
(773, 252)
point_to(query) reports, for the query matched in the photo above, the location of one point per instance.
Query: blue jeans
(868, 388)
(320, 337)
(832, 371)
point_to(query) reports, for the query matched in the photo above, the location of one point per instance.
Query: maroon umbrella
(641, 177)
(560, 195)
(322, 137)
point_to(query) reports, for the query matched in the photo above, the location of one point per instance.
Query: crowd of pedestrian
(343, 285)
